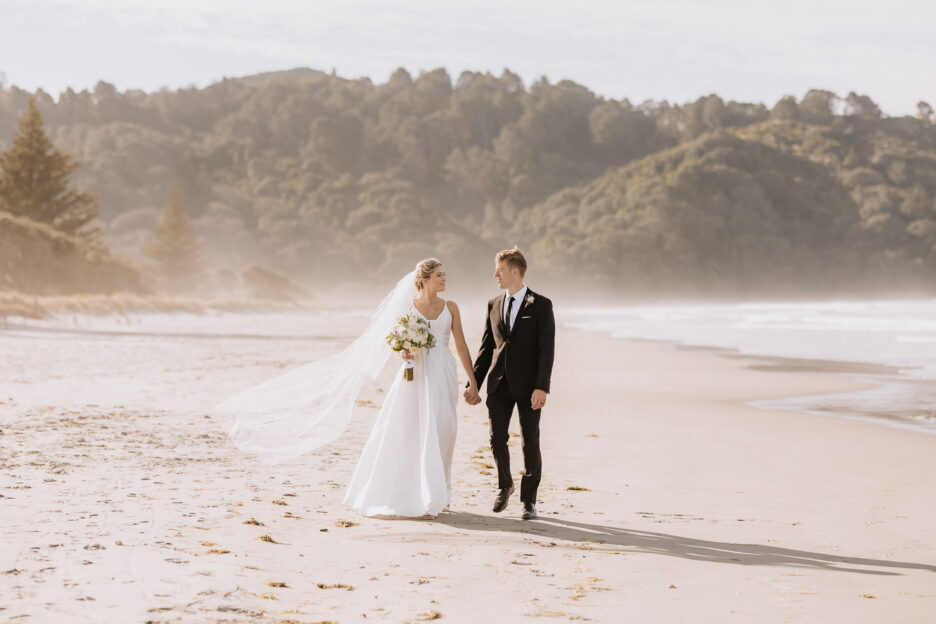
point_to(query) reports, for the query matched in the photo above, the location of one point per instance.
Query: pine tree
(34, 180)
(174, 247)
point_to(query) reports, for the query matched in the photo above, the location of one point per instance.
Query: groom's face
(505, 274)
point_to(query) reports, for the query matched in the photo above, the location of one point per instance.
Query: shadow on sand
(607, 538)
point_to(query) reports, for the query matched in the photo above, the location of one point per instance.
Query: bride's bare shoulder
(452, 306)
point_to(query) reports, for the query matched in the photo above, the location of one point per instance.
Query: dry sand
(664, 499)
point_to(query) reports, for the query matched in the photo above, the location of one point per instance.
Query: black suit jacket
(522, 357)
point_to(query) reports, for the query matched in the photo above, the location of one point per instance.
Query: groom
(517, 347)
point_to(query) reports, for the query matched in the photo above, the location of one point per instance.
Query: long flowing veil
(310, 406)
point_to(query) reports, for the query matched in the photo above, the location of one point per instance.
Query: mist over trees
(174, 247)
(326, 179)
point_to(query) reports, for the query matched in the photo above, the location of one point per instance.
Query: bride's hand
(406, 355)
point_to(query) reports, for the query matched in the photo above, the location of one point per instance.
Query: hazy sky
(750, 50)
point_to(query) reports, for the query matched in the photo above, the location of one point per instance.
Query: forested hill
(326, 178)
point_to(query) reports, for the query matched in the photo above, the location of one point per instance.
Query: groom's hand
(538, 400)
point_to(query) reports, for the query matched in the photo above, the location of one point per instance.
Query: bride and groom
(405, 468)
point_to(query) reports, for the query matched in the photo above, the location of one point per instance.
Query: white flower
(529, 299)
(412, 333)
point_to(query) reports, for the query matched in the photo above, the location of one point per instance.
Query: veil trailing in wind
(310, 406)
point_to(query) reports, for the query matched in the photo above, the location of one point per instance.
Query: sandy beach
(665, 498)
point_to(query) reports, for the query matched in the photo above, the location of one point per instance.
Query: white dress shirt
(515, 310)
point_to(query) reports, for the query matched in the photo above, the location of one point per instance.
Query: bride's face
(436, 281)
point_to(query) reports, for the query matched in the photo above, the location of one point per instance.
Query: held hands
(538, 400)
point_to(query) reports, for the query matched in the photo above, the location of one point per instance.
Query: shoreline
(873, 379)
(895, 399)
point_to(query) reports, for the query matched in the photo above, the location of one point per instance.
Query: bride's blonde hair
(424, 269)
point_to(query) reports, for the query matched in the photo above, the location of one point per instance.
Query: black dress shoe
(500, 502)
(529, 511)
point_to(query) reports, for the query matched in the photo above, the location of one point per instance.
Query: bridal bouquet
(411, 334)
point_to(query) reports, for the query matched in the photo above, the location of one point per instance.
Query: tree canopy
(324, 178)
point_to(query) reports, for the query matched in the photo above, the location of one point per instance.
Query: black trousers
(500, 406)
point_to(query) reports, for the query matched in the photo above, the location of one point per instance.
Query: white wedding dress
(406, 466)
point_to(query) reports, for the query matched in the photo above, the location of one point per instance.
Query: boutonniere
(529, 299)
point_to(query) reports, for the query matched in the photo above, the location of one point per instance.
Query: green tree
(34, 180)
(785, 109)
(917, 204)
(861, 106)
(174, 247)
(817, 106)
(924, 111)
(620, 133)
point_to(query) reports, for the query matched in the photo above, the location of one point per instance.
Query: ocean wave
(891, 333)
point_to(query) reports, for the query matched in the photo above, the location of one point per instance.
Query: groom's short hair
(513, 257)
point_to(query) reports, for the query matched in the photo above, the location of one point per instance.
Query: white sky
(749, 50)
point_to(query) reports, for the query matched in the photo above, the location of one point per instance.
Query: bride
(405, 468)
